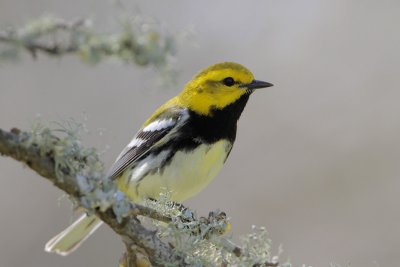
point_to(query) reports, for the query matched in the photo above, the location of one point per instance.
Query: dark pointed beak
(256, 84)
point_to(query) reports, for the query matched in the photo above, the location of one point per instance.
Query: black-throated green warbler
(181, 147)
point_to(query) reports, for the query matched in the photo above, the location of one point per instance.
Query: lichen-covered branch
(65, 163)
(137, 42)
(29, 37)
(181, 238)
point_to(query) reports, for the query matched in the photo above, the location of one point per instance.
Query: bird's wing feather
(158, 131)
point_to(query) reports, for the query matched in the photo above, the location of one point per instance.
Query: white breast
(186, 175)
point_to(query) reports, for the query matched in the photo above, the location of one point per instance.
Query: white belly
(186, 175)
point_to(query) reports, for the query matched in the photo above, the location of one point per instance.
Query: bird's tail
(72, 237)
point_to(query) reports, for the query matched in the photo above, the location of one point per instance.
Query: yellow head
(217, 87)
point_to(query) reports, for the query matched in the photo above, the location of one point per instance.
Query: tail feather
(71, 238)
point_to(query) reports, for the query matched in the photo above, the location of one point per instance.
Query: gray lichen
(138, 42)
(206, 242)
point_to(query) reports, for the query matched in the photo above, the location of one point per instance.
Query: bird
(180, 148)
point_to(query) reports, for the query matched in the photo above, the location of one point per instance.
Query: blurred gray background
(317, 156)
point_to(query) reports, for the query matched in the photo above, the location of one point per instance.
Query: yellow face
(216, 87)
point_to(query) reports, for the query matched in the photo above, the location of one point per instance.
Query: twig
(57, 38)
(34, 47)
(32, 44)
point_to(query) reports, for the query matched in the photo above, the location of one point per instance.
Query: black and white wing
(157, 132)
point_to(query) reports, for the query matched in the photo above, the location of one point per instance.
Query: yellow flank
(206, 90)
(188, 173)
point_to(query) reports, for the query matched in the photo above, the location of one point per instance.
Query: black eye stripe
(229, 81)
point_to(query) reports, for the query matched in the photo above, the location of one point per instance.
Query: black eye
(229, 81)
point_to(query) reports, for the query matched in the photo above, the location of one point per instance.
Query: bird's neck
(219, 123)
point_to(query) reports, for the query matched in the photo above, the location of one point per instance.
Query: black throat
(220, 124)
